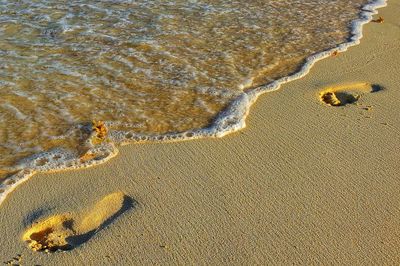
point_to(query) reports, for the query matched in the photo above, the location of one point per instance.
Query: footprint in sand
(341, 95)
(69, 230)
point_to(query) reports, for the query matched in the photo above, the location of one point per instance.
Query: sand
(305, 183)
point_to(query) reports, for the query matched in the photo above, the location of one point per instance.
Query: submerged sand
(304, 183)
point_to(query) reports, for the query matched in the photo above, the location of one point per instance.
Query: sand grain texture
(305, 183)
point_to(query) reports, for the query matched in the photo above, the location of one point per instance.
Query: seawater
(152, 70)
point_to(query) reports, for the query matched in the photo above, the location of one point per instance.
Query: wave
(231, 119)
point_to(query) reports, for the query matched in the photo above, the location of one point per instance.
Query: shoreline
(231, 120)
(303, 183)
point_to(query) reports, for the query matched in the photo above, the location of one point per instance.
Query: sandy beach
(305, 183)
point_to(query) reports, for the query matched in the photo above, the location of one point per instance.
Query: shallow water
(144, 67)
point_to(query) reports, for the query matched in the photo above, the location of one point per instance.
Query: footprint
(341, 95)
(69, 230)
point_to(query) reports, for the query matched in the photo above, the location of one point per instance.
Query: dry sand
(304, 183)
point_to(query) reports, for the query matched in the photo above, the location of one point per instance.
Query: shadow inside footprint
(339, 98)
(376, 88)
(67, 231)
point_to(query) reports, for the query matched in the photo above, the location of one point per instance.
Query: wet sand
(304, 183)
